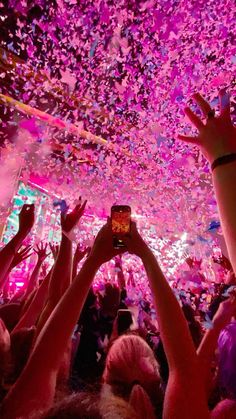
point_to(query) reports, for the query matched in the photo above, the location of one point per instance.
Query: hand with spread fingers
(80, 253)
(70, 220)
(54, 249)
(217, 136)
(41, 250)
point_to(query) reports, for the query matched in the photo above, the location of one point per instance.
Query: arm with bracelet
(217, 141)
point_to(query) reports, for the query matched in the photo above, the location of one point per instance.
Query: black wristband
(229, 158)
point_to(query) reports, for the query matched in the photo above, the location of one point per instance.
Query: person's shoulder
(226, 409)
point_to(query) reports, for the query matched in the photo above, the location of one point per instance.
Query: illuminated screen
(120, 222)
(30, 194)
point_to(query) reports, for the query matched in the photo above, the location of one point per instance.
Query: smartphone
(120, 223)
(124, 320)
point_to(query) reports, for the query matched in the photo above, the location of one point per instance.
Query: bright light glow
(184, 236)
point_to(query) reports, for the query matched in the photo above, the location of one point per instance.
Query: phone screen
(120, 222)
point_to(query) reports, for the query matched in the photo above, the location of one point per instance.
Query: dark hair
(124, 321)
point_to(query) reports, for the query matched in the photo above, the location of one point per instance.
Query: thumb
(127, 238)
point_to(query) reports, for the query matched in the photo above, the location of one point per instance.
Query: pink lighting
(20, 284)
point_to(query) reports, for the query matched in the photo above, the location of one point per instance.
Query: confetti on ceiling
(92, 99)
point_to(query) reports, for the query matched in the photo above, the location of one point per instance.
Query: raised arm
(41, 251)
(35, 388)
(62, 272)
(208, 346)
(26, 221)
(31, 315)
(19, 256)
(217, 141)
(185, 395)
(78, 256)
(120, 272)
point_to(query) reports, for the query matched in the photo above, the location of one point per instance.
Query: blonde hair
(130, 360)
(133, 373)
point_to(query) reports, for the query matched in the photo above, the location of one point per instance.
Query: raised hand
(225, 311)
(103, 249)
(70, 221)
(54, 249)
(134, 242)
(193, 262)
(26, 218)
(118, 261)
(131, 280)
(217, 136)
(41, 250)
(21, 255)
(223, 261)
(80, 253)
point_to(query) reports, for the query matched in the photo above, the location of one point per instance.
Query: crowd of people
(68, 350)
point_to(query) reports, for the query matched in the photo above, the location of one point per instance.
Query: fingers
(25, 250)
(83, 206)
(188, 139)
(224, 99)
(196, 121)
(36, 249)
(79, 207)
(202, 103)
(27, 207)
(44, 246)
(133, 225)
(27, 256)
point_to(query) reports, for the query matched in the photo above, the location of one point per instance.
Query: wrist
(93, 261)
(23, 231)
(219, 324)
(223, 160)
(21, 234)
(224, 147)
(16, 241)
(146, 254)
(65, 238)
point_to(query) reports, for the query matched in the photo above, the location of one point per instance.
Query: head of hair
(81, 405)
(141, 402)
(227, 360)
(130, 362)
(124, 321)
(110, 301)
(91, 406)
